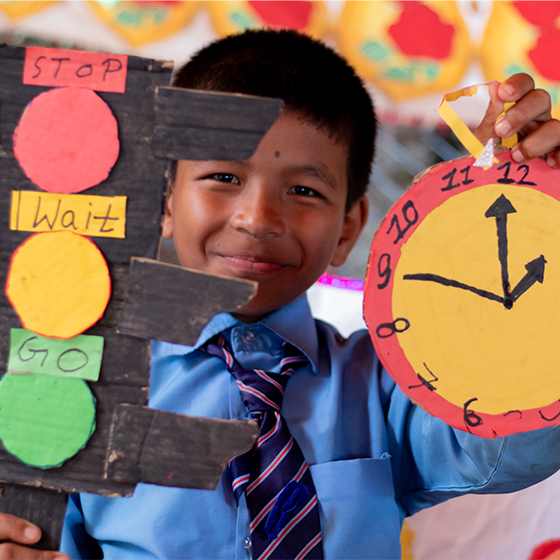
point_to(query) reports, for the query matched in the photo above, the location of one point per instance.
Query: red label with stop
(61, 67)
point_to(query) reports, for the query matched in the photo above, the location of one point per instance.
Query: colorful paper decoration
(524, 37)
(237, 15)
(67, 140)
(17, 9)
(96, 216)
(78, 357)
(144, 21)
(45, 420)
(462, 298)
(58, 283)
(406, 49)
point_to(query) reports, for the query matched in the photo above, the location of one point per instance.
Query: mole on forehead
(277, 154)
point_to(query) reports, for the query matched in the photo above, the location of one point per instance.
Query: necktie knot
(260, 390)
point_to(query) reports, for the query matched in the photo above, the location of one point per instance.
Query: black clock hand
(535, 273)
(499, 210)
(454, 284)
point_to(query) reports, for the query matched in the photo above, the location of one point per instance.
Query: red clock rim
(378, 310)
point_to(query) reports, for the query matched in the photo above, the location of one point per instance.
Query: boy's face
(278, 218)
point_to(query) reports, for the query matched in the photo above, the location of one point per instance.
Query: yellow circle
(475, 346)
(58, 283)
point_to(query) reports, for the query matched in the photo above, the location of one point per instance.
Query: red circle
(67, 140)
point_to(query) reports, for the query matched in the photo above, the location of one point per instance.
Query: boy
(296, 206)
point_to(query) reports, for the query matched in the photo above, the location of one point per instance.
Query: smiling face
(278, 218)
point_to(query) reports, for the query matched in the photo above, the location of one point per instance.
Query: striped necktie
(274, 475)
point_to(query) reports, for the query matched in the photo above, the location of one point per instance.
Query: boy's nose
(258, 215)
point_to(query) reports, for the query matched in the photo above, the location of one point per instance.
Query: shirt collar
(292, 322)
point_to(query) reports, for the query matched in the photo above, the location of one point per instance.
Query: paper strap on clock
(461, 130)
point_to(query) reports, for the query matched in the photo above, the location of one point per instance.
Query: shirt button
(249, 336)
(248, 545)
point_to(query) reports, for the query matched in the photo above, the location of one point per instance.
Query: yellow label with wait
(95, 216)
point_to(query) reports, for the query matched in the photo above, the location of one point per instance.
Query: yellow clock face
(462, 297)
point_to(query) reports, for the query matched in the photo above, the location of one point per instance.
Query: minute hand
(535, 273)
(499, 209)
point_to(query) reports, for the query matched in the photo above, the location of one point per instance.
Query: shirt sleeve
(433, 462)
(76, 541)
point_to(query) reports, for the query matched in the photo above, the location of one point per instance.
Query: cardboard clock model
(85, 142)
(461, 296)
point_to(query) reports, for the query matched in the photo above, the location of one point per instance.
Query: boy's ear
(167, 220)
(353, 224)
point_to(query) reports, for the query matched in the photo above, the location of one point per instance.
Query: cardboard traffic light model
(85, 143)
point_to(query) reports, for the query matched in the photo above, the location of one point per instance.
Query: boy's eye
(305, 191)
(225, 178)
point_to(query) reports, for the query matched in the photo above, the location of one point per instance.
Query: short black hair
(314, 81)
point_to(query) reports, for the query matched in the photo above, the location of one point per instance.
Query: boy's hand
(20, 533)
(538, 133)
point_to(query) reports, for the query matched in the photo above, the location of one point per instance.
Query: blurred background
(409, 54)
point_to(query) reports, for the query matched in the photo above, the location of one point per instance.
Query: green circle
(45, 420)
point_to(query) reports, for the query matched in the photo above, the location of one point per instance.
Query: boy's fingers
(553, 159)
(14, 551)
(15, 529)
(515, 87)
(485, 129)
(542, 141)
(21, 532)
(531, 105)
(525, 115)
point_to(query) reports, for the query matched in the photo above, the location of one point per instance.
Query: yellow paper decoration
(406, 49)
(58, 283)
(140, 22)
(17, 9)
(524, 37)
(234, 16)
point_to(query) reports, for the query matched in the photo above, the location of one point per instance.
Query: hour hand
(455, 284)
(535, 273)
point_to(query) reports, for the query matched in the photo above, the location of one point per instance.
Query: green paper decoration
(44, 420)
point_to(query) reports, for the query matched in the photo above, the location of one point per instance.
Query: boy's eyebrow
(315, 171)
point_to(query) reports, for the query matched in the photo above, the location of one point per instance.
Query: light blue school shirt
(374, 457)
